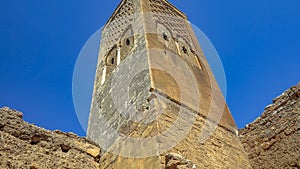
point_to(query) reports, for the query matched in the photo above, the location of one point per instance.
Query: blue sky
(258, 42)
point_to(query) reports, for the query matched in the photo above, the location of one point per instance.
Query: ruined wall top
(273, 139)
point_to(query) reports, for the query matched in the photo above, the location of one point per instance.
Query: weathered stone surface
(150, 62)
(23, 145)
(273, 140)
(176, 161)
(93, 151)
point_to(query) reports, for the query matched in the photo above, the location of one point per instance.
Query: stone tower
(156, 103)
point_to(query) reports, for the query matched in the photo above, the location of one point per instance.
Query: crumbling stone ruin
(156, 105)
(273, 139)
(26, 146)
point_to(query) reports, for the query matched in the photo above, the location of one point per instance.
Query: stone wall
(26, 146)
(273, 139)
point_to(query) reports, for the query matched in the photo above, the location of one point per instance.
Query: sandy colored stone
(273, 140)
(95, 152)
(23, 145)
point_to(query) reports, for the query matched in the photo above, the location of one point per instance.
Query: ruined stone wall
(273, 140)
(26, 146)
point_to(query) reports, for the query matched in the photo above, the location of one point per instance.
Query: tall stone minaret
(156, 103)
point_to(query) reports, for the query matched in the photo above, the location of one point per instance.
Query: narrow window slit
(165, 36)
(112, 60)
(177, 46)
(103, 76)
(184, 50)
(127, 42)
(198, 61)
(118, 55)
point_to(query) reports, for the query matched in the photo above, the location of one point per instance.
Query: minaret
(155, 95)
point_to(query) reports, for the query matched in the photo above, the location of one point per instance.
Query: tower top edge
(122, 2)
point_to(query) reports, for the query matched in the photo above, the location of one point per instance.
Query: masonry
(273, 139)
(150, 59)
(24, 145)
(155, 95)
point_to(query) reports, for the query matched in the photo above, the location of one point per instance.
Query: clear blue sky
(258, 42)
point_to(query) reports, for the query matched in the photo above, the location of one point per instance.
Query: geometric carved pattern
(118, 25)
(164, 13)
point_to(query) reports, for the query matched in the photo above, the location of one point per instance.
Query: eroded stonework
(273, 139)
(26, 146)
(155, 95)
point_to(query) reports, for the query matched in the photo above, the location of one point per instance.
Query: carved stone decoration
(154, 95)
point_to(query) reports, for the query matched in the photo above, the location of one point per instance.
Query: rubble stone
(278, 144)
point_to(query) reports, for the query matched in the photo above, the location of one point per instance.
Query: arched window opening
(184, 49)
(127, 42)
(165, 36)
(112, 60)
